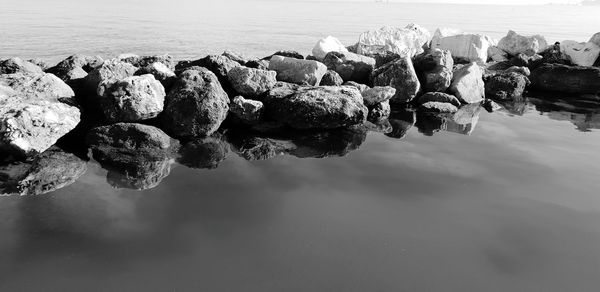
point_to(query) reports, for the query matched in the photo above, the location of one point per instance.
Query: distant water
(504, 201)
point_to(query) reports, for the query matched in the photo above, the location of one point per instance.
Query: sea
(501, 201)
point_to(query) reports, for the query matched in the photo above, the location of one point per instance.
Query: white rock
(297, 71)
(497, 55)
(472, 47)
(326, 45)
(43, 86)
(445, 32)
(467, 84)
(582, 54)
(514, 44)
(595, 39)
(404, 41)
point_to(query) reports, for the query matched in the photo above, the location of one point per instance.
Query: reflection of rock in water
(583, 113)
(44, 173)
(461, 122)
(401, 121)
(430, 123)
(259, 148)
(517, 108)
(204, 152)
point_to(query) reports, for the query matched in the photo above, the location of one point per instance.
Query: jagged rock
(39, 86)
(496, 54)
(217, 64)
(408, 41)
(438, 107)
(467, 84)
(129, 136)
(322, 107)
(523, 60)
(595, 39)
(434, 68)
(400, 75)
(379, 111)
(360, 87)
(521, 70)
(204, 153)
(196, 105)
(515, 44)
(551, 55)
(350, 66)
(580, 54)
(143, 61)
(236, 56)
(258, 64)
(289, 54)
(30, 126)
(160, 71)
(40, 63)
(401, 121)
(326, 45)
(17, 65)
(134, 98)
(509, 85)
(109, 71)
(465, 47)
(563, 78)
(73, 67)
(331, 78)
(439, 97)
(297, 71)
(251, 82)
(384, 58)
(377, 94)
(247, 110)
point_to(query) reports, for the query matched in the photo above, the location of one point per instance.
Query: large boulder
(514, 44)
(75, 67)
(134, 98)
(434, 68)
(297, 71)
(218, 64)
(400, 75)
(350, 66)
(143, 61)
(326, 45)
(196, 105)
(109, 71)
(331, 78)
(563, 78)
(464, 47)
(580, 54)
(407, 41)
(17, 65)
(322, 107)
(246, 110)
(251, 82)
(39, 86)
(509, 85)
(30, 126)
(467, 84)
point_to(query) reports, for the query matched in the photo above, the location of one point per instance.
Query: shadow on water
(583, 111)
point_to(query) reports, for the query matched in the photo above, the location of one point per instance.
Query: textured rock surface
(109, 71)
(247, 110)
(360, 87)
(17, 65)
(379, 111)
(467, 84)
(497, 55)
(39, 86)
(134, 98)
(407, 41)
(331, 78)
(439, 97)
(129, 136)
(595, 39)
(509, 85)
(438, 107)
(251, 82)
(326, 45)
(143, 61)
(350, 66)
(73, 66)
(514, 44)
(297, 71)
(159, 70)
(563, 78)
(400, 75)
(196, 105)
(580, 54)
(377, 94)
(467, 47)
(218, 64)
(434, 68)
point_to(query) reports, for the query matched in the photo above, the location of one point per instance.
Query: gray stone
(159, 70)
(39, 86)
(515, 44)
(331, 78)
(350, 66)
(377, 94)
(17, 65)
(109, 71)
(132, 99)
(143, 61)
(521, 70)
(439, 97)
(360, 87)
(251, 82)
(247, 110)
(467, 84)
(203, 153)
(379, 111)
(506, 86)
(400, 75)
(71, 68)
(129, 136)
(434, 68)
(438, 107)
(297, 71)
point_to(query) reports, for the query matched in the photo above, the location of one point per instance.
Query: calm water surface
(514, 206)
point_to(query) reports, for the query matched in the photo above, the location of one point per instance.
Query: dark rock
(350, 66)
(297, 71)
(320, 144)
(289, 54)
(384, 58)
(251, 82)
(434, 68)
(400, 75)
(17, 65)
(360, 87)
(402, 121)
(204, 153)
(259, 148)
(246, 110)
(331, 78)
(563, 78)
(236, 57)
(438, 107)
(143, 61)
(439, 97)
(217, 64)
(430, 123)
(467, 84)
(109, 71)
(75, 67)
(129, 136)
(490, 106)
(258, 64)
(506, 86)
(379, 111)
(521, 70)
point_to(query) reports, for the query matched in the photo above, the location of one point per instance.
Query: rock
(236, 57)
(580, 54)
(109, 71)
(429, 123)
(595, 39)
(258, 64)
(17, 65)
(204, 153)
(326, 45)
(297, 71)
(73, 67)
(260, 148)
(552, 55)
(521, 70)
(377, 94)
(219, 65)
(289, 54)
(44, 173)
(40, 63)
(323, 107)
(439, 97)
(360, 87)
(490, 106)
(143, 61)
(467, 84)
(331, 78)
(379, 111)
(400, 75)
(522, 60)
(444, 32)
(568, 79)
(160, 72)
(247, 110)
(251, 82)
(497, 55)
(6, 92)
(464, 120)
(129, 136)
(514, 44)
(132, 99)
(401, 121)
(434, 68)
(509, 85)
(380, 126)
(31, 126)
(350, 66)
(39, 86)
(438, 107)
(384, 58)
(196, 105)
(408, 41)
(465, 47)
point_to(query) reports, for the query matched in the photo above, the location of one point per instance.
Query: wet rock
(30, 126)
(496, 54)
(73, 67)
(438, 107)
(143, 61)
(160, 71)
(109, 71)
(350, 66)
(260, 148)
(331, 78)
(360, 87)
(204, 153)
(44, 173)
(196, 105)
(400, 75)
(380, 110)
(377, 94)
(134, 98)
(439, 97)
(464, 47)
(434, 68)
(407, 41)
(506, 86)
(17, 65)
(580, 54)
(467, 84)
(297, 71)
(326, 45)
(515, 44)
(251, 82)
(320, 144)
(402, 121)
(521, 70)
(247, 110)
(323, 107)
(217, 64)
(129, 136)
(39, 86)
(563, 78)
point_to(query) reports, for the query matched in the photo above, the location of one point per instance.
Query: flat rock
(110, 71)
(297, 71)
(407, 41)
(438, 107)
(439, 97)
(17, 65)
(129, 136)
(377, 94)
(251, 82)
(331, 78)
(467, 84)
(132, 99)
(465, 47)
(580, 54)
(514, 43)
(39, 86)
(246, 110)
(568, 79)
(503, 86)
(326, 45)
(400, 75)
(350, 66)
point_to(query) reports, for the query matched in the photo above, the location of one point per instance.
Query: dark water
(514, 206)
